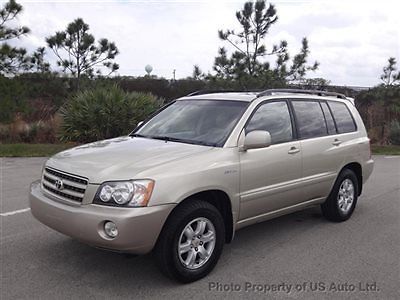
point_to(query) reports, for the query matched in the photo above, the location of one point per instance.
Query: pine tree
(389, 76)
(248, 60)
(12, 59)
(77, 52)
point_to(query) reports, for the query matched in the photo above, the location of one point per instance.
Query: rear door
(320, 146)
(270, 178)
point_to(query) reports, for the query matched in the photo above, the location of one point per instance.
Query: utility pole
(174, 72)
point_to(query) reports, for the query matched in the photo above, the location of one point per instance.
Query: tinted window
(310, 119)
(328, 117)
(273, 117)
(342, 116)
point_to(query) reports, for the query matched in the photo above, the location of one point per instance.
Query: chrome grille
(63, 185)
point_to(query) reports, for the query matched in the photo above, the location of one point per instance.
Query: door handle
(293, 150)
(336, 142)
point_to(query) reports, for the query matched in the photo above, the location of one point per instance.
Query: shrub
(5, 133)
(12, 99)
(394, 134)
(104, 112)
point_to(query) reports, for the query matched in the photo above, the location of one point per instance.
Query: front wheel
(191, 241)
(340, 204)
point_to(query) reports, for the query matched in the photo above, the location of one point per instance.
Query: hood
(120, 158)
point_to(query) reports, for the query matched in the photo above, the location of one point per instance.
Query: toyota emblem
(59, 184)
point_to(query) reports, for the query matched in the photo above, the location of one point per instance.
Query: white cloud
(351, 39)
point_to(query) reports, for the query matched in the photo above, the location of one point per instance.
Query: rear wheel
(340, 204)
(191, 241)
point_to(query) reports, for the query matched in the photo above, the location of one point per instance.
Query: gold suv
(204, 166)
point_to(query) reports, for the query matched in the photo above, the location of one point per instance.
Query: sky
(351, 40)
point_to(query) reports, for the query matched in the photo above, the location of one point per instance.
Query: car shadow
(102, 269)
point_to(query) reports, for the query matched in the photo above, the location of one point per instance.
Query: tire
(342, 200)
(206, 251)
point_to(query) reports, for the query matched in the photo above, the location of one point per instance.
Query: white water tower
(148, 69)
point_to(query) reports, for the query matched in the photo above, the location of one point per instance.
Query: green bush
(12, 99)
(5, 134)
(394, 134)
(104, 112)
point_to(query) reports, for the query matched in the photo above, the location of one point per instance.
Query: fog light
(110, 229)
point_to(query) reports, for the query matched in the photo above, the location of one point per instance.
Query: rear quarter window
(328, 118)
(342, 116)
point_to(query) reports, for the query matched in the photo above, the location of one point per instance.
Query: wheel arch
(221, 201)
(357, 169)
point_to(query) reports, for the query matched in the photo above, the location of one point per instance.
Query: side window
(328, 118)
(341, 114)
(310, 119)
(273, 117)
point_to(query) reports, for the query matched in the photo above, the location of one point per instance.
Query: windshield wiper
(172, 139)
(139, 135)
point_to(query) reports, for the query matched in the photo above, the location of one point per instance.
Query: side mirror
(257, 139)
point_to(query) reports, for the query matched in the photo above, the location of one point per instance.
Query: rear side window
(341, 114)
(309, 119)
(328, 118)
(273, 117)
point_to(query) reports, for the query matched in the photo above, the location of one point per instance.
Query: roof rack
(260, 93)
(299, 91)
(202, 92)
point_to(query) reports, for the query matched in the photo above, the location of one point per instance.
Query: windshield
(204, 122)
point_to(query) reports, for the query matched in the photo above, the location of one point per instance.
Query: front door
(270, 178)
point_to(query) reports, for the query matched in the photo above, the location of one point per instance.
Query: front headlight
(135, 193)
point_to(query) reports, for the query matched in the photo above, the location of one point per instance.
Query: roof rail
(202, 92)
(300, 91)
(199, 92)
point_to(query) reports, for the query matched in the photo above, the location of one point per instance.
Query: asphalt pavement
(298, 256)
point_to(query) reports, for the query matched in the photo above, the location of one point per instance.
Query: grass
(385, 150)
(31, 150)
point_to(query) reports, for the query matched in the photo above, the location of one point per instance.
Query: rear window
(343, 118)
(309, 119)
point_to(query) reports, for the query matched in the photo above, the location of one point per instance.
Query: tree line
(248, 65)
(245, 61)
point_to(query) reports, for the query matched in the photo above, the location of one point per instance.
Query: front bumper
(138, 228)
